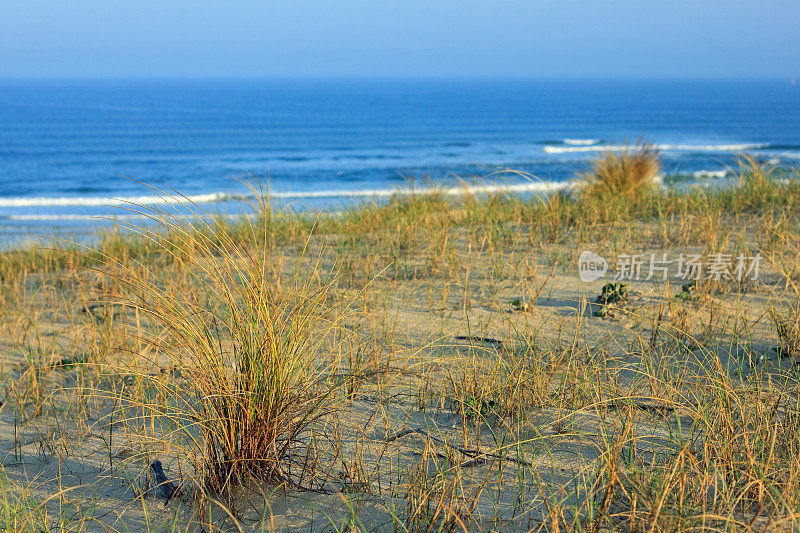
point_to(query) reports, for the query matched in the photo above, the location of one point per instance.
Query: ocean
(75, 152)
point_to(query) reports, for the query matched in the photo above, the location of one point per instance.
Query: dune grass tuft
(629, 171)
(251, 341)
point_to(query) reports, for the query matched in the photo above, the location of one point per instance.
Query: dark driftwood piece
(164, 488)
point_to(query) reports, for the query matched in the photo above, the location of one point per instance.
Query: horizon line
(379, 77)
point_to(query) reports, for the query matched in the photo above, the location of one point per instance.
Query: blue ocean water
(67, 148)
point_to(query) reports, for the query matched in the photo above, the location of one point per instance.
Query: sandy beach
(429, 363)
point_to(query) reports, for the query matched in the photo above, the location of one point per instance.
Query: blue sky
(639, 38)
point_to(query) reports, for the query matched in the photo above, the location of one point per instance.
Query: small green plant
(478, 406)
(687, 292)
(68, 363)
(613, 294)
(603, 312)
(519, 305)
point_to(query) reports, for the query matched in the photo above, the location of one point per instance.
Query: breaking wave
(74, 201)
(705, 174)
(54, 218)
(581, 142)
(40, 201)
(662, 147)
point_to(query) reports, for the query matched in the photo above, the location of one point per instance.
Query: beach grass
(625, 173)
(429, 363)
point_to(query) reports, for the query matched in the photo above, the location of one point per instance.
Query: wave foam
(533, 186)
(581, 142)
(55, 218)
(709, 174)
(662, 147)
(66, 201)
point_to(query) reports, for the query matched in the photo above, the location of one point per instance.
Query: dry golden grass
(252, 344)
(627, 172)
(428, 364)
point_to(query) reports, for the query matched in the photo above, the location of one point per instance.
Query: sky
(547, 38)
